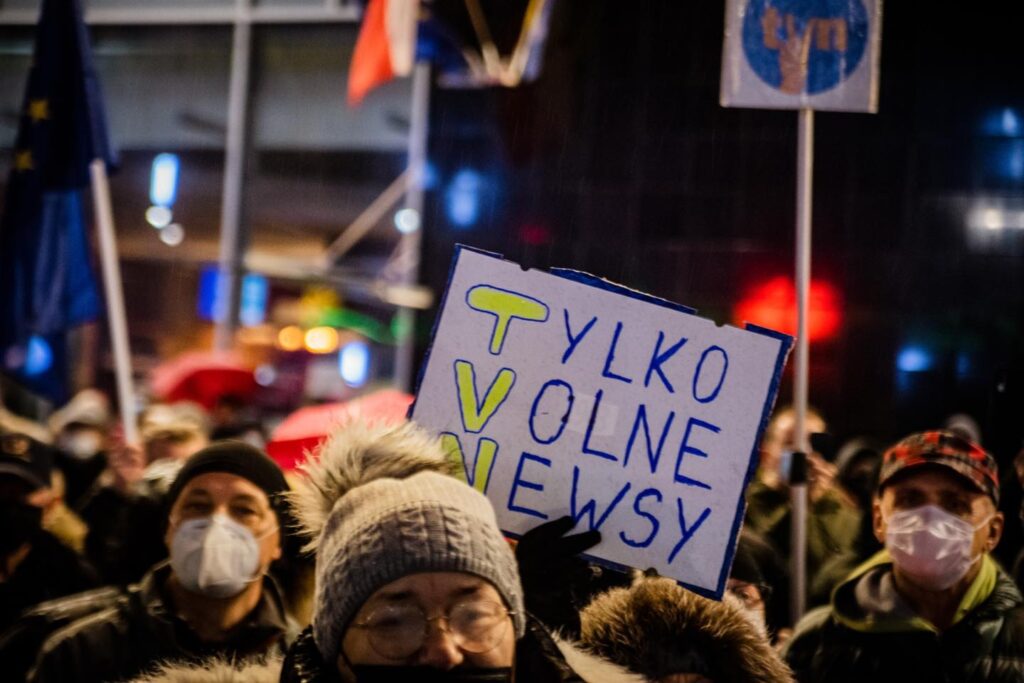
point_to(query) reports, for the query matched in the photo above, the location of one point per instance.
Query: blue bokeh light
(38, 357)
(163, 180)
(354, 363)
(462, 200)
(913, 358)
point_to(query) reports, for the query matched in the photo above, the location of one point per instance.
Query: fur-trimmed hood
(656, 627)
(216, 671)
(357, 454)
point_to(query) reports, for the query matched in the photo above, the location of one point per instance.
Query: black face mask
(19, 522)
(366, 673)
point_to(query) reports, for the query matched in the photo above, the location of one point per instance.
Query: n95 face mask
(215, 556)
(931, 545)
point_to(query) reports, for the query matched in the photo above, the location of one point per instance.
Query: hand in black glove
(553, 573)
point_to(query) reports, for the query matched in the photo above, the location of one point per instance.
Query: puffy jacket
(537, 660)
(862, 638)
(141, 630)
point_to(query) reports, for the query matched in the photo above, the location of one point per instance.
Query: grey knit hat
(394, 511)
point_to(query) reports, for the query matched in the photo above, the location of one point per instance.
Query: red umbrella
(203, 377)
(306, 428)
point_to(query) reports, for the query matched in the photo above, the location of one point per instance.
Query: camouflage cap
(943, 449)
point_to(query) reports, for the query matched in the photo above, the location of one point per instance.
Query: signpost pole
(412, 242)
(804, 202)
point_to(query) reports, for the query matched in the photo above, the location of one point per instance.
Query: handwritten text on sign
(636, 417)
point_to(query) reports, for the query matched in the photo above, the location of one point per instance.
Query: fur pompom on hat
(656, 628)
(380, 504)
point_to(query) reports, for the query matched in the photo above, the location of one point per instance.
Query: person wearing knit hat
(213, 597)
(414, 579)
(933, 605)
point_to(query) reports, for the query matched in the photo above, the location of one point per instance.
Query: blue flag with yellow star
(47, 283)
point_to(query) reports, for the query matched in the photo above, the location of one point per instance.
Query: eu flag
(47, 284)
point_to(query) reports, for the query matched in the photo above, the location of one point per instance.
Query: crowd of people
(193, 556)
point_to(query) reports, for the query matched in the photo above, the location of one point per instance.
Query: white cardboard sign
(792, 54)
(561, 393)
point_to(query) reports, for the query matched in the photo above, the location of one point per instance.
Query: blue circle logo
(804, 46)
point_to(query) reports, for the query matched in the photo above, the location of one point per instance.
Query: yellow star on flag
(38, 110)
(23, 160)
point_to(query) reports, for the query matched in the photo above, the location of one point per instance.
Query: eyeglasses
(399, 631)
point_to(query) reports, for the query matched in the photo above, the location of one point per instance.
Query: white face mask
(215, 556)
(81, 445)
(931, 545)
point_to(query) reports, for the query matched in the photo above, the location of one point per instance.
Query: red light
(772, 304)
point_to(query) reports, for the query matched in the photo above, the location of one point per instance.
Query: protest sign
(561, 393)
(795, 54)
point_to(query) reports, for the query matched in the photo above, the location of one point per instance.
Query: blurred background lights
(322, 340)
(158, 216)
(38, 357)
(462, 200)
(252, 305)
(290, 338)
(1004, 122)
(994, 218)
(265, 375)
(354, 363)
(407, 220)
(163, 180)
(172, 235)
(914, 358)
(1011, 123)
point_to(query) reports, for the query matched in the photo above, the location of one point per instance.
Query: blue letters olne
(685, 448)
(590, 430)
(653, 456)
(564, 420)
(518, 481)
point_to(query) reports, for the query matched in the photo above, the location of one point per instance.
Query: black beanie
(232, 457)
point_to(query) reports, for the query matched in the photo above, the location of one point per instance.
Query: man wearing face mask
(414, 580)
(212, 598)
(933, 605)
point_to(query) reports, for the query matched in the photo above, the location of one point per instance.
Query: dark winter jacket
(20, 644)
(141, 630)
(869, 634)
(537, 660)
(656, 629)
(50, 570)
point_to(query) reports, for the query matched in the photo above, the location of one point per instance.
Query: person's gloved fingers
(548, 531)
(577, 543)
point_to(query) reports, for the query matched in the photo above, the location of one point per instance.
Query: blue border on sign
(785, 346)
(615, 288)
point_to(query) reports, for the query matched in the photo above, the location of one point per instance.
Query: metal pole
(115, 298)
(412, 242)
(234, 167)
(798, 492)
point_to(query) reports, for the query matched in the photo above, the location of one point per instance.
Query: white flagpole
(798, 492)
(114, 298)
(412, 242)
